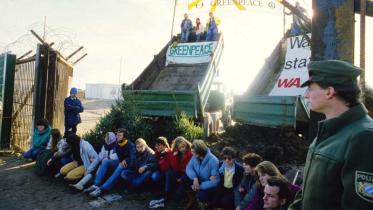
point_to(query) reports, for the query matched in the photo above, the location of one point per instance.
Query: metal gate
(41, 84)
(22, 117)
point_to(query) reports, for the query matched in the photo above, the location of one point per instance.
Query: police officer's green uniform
(339, 167)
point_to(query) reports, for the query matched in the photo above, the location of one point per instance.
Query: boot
(192, 200)
(82, 182)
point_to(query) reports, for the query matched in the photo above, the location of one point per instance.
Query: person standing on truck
(212, 27)
(186, 26)
(200, 30)
(338, 173)
(73, 107)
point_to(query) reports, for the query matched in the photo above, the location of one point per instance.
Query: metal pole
(173, 20)
(120, 69)
(362, 44)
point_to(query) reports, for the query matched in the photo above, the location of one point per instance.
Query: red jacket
(163, 160)
(179, 165)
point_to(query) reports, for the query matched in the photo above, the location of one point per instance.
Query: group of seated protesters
(184, 171)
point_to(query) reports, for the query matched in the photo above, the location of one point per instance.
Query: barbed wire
(63, 39)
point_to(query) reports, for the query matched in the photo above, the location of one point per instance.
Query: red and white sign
(295, 70)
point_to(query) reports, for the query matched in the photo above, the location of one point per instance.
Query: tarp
(190, 53)
(294, 72)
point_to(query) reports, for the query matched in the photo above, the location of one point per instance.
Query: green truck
(177, 80)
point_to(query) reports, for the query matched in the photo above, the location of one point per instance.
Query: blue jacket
(203, 170)
(238, 172)
(147, 159)
(186, 25)
(72, 109)
(127, 152)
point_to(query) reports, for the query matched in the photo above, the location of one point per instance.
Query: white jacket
(102, 155)
(87, 153)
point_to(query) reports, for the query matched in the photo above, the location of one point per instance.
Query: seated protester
(230, 175)
(277, 194)
(199, 29)
(40, 139)
(126, 153)
(141, 171)
(83, 155)
(202, 175)
(265, 170)
(248, 181)
(181, 154)
(61, 157)
(107, 154)
(43, 162)
(162, 153)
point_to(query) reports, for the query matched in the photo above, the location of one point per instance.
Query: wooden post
(362, 46)
(41, 76)
(333, 30)
(51, 87)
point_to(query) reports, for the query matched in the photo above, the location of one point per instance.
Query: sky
(121, 37)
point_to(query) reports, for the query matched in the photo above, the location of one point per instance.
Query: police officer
(72, 108)
(338, 173)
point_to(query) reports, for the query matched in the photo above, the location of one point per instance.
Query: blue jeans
(134, 178)
(113, 178)
(184, 36)
(105, 166)
(32, 153)
(211, 35)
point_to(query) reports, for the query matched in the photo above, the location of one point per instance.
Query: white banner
(190, 53)
(295, 70)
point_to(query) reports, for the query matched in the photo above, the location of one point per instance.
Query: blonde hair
(141, 141)
(267, 167)
(180, 140)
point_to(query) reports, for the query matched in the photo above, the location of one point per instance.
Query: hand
(195, 186)
(238, 208)
(241, 189)
(178, 180)
(124, 163)
(212, 178)
(142, 169)
(49, 162)
(175, 153)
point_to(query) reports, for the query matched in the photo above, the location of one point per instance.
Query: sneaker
(152, 202)
(90, 189)
(95, 193)
(77, 186)
(58, 175)
(157, 205)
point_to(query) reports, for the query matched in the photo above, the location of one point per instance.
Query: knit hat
(73, 90)
(110, 138)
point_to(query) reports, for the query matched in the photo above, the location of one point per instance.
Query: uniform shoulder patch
(364, 185)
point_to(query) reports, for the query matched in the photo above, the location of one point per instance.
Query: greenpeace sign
(190, 53)
(294, 72)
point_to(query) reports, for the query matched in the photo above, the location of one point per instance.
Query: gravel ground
(21, 189)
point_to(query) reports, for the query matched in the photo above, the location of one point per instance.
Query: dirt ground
(20, 188)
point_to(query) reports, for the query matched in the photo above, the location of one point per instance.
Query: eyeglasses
(227, 158)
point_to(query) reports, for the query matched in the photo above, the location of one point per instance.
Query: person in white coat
(106, 156)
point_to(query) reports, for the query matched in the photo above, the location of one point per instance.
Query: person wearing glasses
(230, 172)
